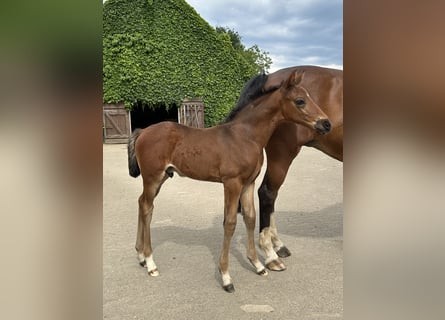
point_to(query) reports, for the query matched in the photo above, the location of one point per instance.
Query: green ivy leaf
(158, 52)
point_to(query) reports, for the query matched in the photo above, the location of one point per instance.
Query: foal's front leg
(249, 215)
(232, 191)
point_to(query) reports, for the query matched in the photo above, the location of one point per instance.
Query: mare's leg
(143, 239)
(232, 190)
(249, 215)
(278, 163)
(279, 247)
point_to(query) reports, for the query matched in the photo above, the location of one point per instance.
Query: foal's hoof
(153, 273)
(276, 265)
(283, 252)
(142, 263)
(263, 272)
(229, 288)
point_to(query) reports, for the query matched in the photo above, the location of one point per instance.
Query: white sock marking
(277, 243)
(151, 266)
(265, 242)
(226, 279)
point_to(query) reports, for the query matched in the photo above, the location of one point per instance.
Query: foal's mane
(253, 89)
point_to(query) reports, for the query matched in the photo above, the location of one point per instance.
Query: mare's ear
(294, 79)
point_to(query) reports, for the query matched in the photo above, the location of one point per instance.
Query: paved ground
(187, 237)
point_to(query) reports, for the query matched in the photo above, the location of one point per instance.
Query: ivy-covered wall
(158, 52)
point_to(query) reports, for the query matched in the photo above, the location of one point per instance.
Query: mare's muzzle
(323, 126)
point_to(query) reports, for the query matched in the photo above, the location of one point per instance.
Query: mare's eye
(300, 102)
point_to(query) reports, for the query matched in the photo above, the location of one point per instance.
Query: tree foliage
(158, 52)
(258, 59)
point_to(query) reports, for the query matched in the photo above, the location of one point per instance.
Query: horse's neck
(259, 122)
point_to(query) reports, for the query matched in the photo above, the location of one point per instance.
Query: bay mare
(230, 153)
(326, 89)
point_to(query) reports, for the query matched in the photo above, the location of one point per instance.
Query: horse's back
(190, 151)
(160, 131)
(156, 142)
(319, 74)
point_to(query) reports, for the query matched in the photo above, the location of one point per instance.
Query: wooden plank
(116, 124)
(113, 123)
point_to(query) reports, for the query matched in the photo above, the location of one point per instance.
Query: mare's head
(298, 106)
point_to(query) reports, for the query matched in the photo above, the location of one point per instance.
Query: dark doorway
(142, 117)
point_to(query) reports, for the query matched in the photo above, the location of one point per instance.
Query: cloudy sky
(294, 32)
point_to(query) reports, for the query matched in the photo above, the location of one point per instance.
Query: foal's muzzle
(323, 126)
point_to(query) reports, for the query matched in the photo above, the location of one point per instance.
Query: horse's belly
(197, 168)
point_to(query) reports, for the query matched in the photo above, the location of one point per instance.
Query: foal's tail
(133, 166)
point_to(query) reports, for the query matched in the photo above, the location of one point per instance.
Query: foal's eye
(300, 102)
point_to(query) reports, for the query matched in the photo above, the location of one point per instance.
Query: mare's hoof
(283, 252)
(276, 265)
(142, 263)
(263, 272)
(153, 273)
(229, 288)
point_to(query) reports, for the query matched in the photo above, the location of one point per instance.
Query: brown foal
(230, 153)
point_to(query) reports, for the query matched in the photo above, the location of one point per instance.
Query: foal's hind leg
(249, 215)
(140, 235)
(143, 239)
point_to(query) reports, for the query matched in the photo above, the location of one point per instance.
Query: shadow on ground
(324, 223)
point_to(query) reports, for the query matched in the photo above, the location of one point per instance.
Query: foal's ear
(294, 79)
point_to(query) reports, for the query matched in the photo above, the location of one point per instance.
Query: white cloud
(294, 32)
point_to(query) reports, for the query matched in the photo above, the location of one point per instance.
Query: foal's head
(298, 106)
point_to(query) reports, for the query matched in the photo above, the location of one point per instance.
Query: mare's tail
(133, 166)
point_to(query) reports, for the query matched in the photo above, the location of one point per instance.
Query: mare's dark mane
(253, 89)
